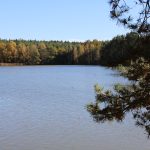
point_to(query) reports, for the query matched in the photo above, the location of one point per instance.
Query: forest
(120, 50)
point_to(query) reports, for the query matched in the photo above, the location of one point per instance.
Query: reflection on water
(43, 108)
(133, 98)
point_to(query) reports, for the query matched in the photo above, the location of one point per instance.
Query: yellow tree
(33, 54)
(22, 53)
(11, 51)
(2, 48)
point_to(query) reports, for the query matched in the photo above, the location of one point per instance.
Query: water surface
(43, 108)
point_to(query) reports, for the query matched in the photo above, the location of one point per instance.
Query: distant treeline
(119, 50)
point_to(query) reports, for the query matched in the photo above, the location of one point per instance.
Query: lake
(44, 108)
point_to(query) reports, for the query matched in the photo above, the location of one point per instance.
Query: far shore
(21, 64)
(11, 64)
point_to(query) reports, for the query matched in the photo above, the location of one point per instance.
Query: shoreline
(11, 64)
(20, 64)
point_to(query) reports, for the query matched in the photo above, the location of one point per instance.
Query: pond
(44, 108)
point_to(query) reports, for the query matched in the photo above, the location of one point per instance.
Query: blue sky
(57, 20)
